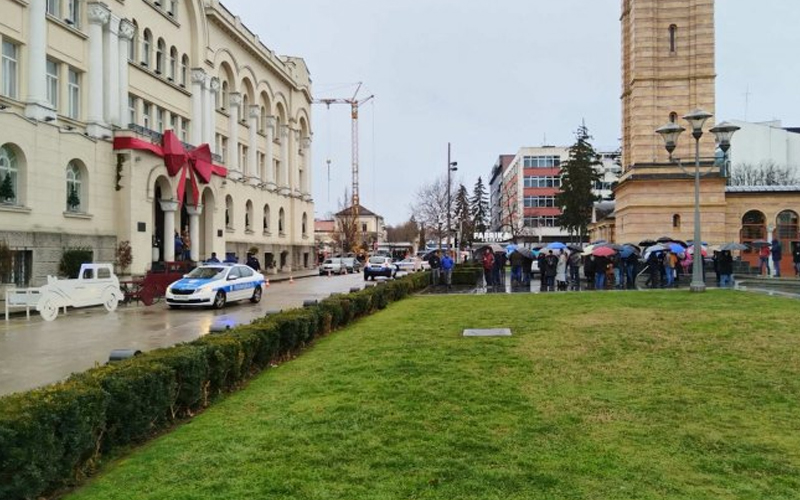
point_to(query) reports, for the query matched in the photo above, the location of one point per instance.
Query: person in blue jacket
(447, 269)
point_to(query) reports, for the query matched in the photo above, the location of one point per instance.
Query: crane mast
(354, 103)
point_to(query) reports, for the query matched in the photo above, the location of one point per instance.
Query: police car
(214, 285)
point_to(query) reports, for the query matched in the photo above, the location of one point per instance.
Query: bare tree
(407, 231)
(512, 218)
(763, 174)
(346, 231)
(430, 209)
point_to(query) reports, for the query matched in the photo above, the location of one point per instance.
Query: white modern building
(765, 142)
(90, 93)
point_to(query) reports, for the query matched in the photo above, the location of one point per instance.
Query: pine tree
(7, 189)
(463, 216)
(479, 207)
(578, 176)
(73, 200)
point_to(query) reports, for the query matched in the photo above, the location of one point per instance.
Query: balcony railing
(158, 137)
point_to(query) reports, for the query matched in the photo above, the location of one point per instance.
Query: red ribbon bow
(192, 164)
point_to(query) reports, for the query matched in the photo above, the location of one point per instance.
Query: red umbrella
(603, 251)
(703, 250)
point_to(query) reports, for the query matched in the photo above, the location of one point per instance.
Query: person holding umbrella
(725, 266)
(574, 262)
(777, 254)
(796, 260)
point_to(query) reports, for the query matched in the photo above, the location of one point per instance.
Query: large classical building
(668, 70)
(136, 120)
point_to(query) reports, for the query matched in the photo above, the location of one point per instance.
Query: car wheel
(110, 301)
(49, 310)
(219, 300)
(256, 298)
(366, 277)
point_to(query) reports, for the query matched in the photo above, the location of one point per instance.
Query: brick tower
(667, 71)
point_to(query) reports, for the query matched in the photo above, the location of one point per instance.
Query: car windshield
(204, 273)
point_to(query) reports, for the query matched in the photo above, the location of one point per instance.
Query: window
(73, 13)
(540, 221)
(229, 212)
(676, 221)
(363, 227)
(147, 45)
(787, 225)
(74, 192)
(73, 94)
(9, 69)
(673, 117)
(304, 227)
(146, 111)
(223, 148)
(173, 8)
(266, 218)
(161, 50)
(244, 109)
(134, 41)
(673, 38)
(243, 158)
(160, 120)
(54, 8)
(184, 69)
(541, 161)
(173, 64)
(132, 108)
(8, 176)
(542, 182)
(184, 129)
(539, 201)
(173, 122)
(223, 96)
(20, 272)
(248, 214)
(51, 71)
(281, 217)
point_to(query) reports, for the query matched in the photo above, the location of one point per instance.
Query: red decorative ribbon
(192, 164)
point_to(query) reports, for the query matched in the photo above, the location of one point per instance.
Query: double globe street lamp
(451, 167)
(722, 133)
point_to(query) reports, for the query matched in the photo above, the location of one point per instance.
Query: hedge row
(53, 437)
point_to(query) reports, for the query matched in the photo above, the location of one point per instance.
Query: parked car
(412, 264)
(379, 266)
(352, 264)
(332, 266)
(214, 285)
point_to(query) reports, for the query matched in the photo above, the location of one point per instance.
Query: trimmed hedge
(53, 437)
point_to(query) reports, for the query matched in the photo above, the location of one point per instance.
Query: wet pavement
(36, 352)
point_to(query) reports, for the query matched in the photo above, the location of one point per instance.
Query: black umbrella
(759, 243)
(664, 239)
(575, 248)
(647, 243)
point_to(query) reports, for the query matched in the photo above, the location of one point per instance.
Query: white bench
(22, 297)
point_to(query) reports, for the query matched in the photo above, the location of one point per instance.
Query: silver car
(332, 266)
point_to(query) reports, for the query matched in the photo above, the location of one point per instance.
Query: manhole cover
(488, 332)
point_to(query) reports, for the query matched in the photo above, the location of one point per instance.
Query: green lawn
(648, 395)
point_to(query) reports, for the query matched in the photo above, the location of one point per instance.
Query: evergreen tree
(463, 217)
(479, 207)
(6, 189)
(578, 176)
(73, 201)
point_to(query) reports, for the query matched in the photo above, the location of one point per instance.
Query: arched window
(754, 226)
(281, 221)
(75, 194)
(184, 69)
(305, 224)
(147, 45)
(787, 225)
(229, 212)
(223, 95)
(161, 52)
(673, 117)
(266, 218)
(263, 120)
(673, 38)
(244, 109)
(173, 64)
(248, 215)
(173, 9)
(9, 187)
(676, 221)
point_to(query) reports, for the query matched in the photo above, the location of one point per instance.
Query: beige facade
(77, 76)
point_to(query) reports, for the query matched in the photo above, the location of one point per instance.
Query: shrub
(71, 260)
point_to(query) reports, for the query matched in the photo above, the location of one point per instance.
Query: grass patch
(662, 395)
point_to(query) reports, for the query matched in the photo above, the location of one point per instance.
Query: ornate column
(198, 79)
(270, 160)
(283, 182)
(306, 185)
(98, 15)
(169, 207)
(252, 151)
(37, 106)
(208, 126)
(126, 30)
(235, 100)
(194, 212)
(111, 62)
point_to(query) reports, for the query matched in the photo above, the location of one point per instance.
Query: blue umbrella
(675, 248)
(556, 245)
(510, 249)
(627, 251)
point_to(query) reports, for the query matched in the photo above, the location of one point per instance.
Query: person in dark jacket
(542, 281)
(631, 263)
(488, 265)
(550, 271)
(777, 255)
(574, 262)
(253, 262)
(499, 269)
(725, 266)
(588, 272)
(436, 265)
(796, 260)
(600, 268)
(517, 260)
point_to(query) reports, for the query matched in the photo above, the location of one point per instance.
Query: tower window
(676, 221)
(673, 117)
(673, 38)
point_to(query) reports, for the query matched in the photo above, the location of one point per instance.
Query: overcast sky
(491, 77)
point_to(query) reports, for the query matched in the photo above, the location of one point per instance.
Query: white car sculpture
(96, 284)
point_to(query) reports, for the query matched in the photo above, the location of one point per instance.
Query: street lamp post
(451, 167)
(723, 133)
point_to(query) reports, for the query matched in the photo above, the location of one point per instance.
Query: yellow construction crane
(354, 103)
